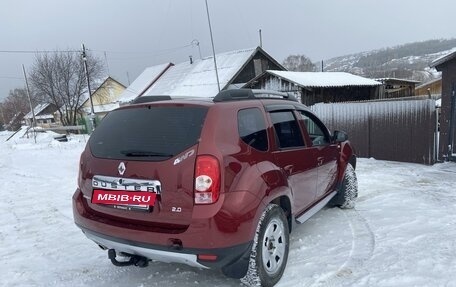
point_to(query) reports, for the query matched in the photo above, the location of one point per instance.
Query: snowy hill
(409, 61)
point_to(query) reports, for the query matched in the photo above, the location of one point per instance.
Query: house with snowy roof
(104, 98)
(316, 87)
(44, 115)
(197, 77)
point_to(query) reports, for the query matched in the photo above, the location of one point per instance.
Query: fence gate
(389, 130)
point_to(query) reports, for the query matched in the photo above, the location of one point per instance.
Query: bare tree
(59, 78)
(299, 63)
(16, 103)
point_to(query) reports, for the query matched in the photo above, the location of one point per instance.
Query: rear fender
(263, 181)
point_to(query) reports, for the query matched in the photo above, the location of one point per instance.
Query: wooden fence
(388, 130)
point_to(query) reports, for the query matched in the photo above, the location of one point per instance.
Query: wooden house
(397, 88)
(318, 87)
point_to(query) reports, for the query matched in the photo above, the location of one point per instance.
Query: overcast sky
(132, 35)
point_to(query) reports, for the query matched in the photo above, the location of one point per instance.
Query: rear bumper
(233, 260)
(136, 249)
(159, 246)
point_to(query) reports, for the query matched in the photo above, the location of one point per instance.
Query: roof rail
(147, 99)
(250, 94)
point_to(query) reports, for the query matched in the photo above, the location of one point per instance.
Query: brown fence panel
(388, 130)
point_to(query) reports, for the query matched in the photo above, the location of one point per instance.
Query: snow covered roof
(143, 82)
(198, 78)
(444, 58)
(102, 108)
(44, 117)
(430, 82)
(397, 80)
(324, 79)
(38, 109)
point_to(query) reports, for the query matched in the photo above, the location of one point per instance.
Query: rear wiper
(140, 153)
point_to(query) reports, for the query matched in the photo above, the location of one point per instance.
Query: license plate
(124, 199)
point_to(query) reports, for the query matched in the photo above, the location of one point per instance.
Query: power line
(159, 52)
(37, 51)
(11, 78)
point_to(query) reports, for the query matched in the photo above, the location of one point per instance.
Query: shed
(316, 87)
(397, 88)
(447, 144)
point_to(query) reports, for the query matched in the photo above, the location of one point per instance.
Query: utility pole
(197, 44)
(3, 115)
(30, 103)
(128, 78)
(261, 39)
(92, 112)
(213, 49)
(452, 122)
(106, 60)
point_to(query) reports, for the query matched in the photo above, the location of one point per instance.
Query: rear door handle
(320, 160)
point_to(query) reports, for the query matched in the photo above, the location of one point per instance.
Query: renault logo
(121, 168)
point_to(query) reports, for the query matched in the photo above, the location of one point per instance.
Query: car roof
(272, 100)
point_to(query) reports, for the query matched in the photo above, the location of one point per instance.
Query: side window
(252, 128)
(287, 129)
(317, 131)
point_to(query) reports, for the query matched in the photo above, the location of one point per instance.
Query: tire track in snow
(363, 246)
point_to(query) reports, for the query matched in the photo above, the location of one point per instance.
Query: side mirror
(340, 136)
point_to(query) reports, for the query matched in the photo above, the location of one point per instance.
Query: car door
(325, 151)
(296, 160)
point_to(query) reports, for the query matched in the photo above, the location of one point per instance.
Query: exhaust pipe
(135, 260)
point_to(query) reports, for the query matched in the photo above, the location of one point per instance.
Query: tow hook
(135, 260)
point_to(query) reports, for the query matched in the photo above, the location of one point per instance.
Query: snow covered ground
(401, 233)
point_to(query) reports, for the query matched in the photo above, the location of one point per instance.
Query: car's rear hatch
(143, 149)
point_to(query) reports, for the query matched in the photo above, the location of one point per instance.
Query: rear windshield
(147, 133)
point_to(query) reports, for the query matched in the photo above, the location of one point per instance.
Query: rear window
(252, 128)
(147, 133)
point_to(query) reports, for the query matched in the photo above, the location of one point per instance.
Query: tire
(348, 192)
(269, 254)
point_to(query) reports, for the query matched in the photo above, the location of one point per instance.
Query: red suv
(212, 183)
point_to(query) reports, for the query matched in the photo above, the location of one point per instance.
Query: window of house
(252, 128)
(287, 129)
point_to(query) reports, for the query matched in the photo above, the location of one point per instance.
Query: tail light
(207, 180)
